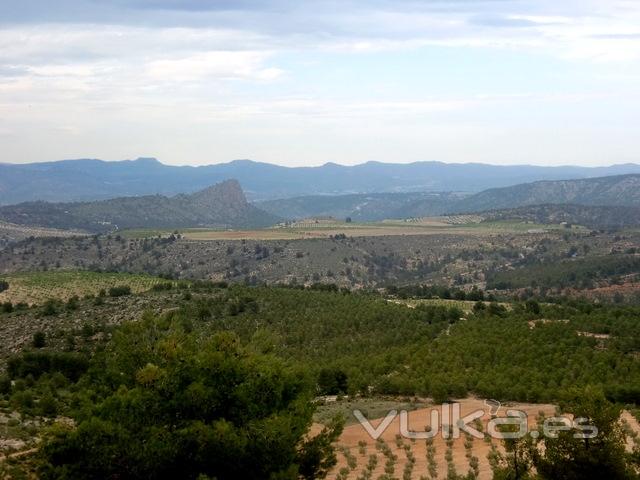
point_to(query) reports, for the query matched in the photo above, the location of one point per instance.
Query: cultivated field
(396, 450)
(309, 230)
(38, 287)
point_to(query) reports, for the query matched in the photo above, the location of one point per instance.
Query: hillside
(555, 201)
(90, 179)
(221, 205)
(362, 207)
(585, 215)
(620, 190)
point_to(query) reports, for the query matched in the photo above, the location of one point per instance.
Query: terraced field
(38, 287)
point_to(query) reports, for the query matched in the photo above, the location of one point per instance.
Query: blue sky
(304, 83)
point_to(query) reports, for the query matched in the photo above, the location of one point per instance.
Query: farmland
(38, 287)
(310, 229)
(413, 459)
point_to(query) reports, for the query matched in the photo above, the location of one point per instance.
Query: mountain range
(612, 201)
(616, 191)
(223, 206)
(90, 179)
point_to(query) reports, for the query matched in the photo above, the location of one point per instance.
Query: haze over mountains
(87, 180)
(223, 206)
(618, 191)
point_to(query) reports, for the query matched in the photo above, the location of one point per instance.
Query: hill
(90, 179)
(362, 207)
(222, 205)
(614, 202)
(586, 215)
(620, 190)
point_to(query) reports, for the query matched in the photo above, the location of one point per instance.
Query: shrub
(39, 340)
(22, 400)
(332, 381)
(72, 303)
(50, 307)
(120, 291)
(5, 385)
(48, 406)
(3, 286)
(71, 365)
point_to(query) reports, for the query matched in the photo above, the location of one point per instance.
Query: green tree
(571, 458)
(332, 381)
(516, 461)
(178, 406)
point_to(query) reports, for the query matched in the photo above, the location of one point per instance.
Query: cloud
(132, 66)
(502, 21)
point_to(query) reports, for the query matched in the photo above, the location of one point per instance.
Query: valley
(370, 301)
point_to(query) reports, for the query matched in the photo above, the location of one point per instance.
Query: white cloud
(121, 74)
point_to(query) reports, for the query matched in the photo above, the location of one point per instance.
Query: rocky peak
(227, 194)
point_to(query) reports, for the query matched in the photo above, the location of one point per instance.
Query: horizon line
(326, 164)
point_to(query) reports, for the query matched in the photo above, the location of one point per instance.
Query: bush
(50, 307)
(7, 307)
(22, 400)
(39, 340)
(120, 291)
(3, 286)
(71, 365)
(332, 381)
(72, 303)
(48, 406)
(5, 385)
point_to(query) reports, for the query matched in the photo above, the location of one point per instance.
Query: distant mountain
(84, 180)
(222, 205)
(620, 190)
(362, 207)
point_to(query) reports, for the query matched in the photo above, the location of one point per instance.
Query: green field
(38, 287)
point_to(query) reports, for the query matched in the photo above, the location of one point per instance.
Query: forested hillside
(363, 207)
(621, 190)
(589, 216)
(204, 361)
(222, 205)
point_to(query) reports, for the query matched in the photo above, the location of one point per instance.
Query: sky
(306, 82)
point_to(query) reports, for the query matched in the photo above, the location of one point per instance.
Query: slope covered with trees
(222, 205)
(228, 373)
(620, 190)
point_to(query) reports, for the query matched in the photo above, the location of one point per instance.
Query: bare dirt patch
(356, 440)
